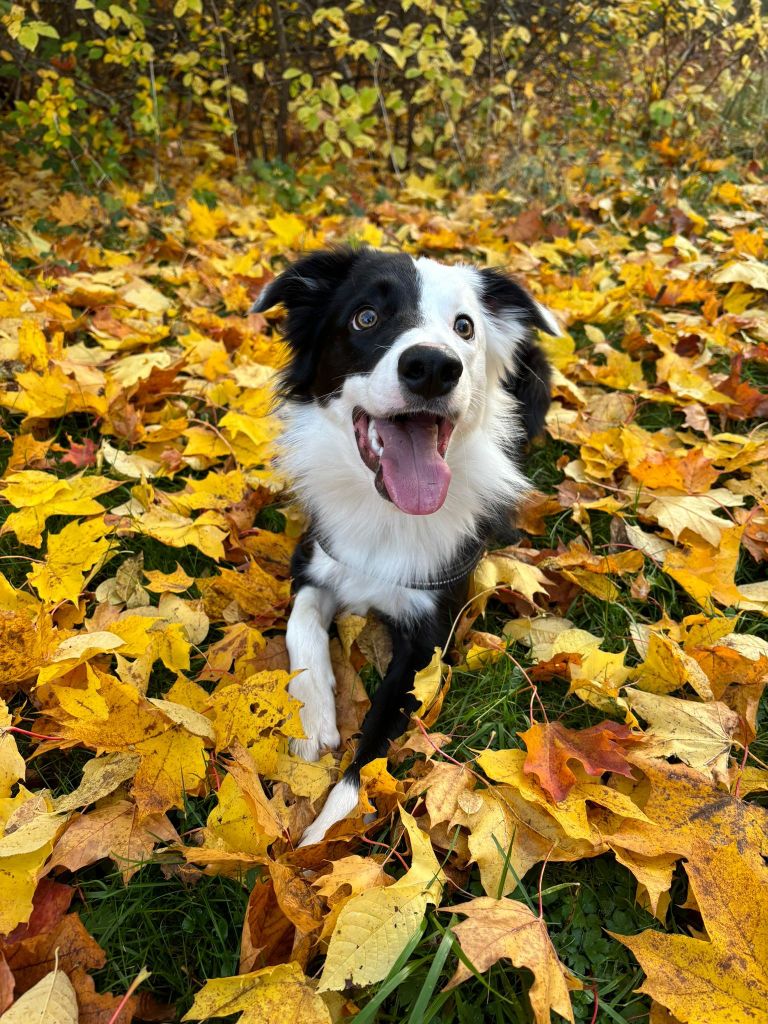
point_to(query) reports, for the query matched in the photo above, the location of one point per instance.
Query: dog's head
(408, 350)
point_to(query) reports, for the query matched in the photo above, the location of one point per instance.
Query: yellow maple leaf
(23, 852)
(289, 230)
(707, 572)
(172, 758)
(570, 813)
(280, 994)
(692, 512)
(79, 549)
(168, 527)
(52, 395)
(39, 495)
(503, 928)
(258, 708)
(12, 767)
(502, 568)
(724, 977)
(175, 582)
(374, 927)
(231, 823)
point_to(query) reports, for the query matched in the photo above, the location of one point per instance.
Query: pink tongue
(415, 474)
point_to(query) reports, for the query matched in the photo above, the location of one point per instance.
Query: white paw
(342, 800)
(309, 749)
(318, 718)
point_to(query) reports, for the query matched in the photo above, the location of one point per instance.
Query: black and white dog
(411, 389)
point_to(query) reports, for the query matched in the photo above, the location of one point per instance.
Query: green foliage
(404, 83)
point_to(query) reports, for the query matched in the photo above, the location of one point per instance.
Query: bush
(91, 84)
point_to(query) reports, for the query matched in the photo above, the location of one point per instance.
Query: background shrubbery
(90, 84)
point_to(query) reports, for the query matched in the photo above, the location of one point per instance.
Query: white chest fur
(358, 592)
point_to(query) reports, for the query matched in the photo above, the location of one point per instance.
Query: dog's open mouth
(407, 454)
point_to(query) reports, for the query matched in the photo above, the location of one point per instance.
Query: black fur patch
(321, 292)
(531, 380)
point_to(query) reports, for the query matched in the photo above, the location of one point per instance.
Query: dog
(408, 397)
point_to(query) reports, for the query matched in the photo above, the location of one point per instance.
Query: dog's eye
(464, 327)
(364, 319)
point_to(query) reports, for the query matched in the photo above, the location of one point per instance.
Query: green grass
(184, 931)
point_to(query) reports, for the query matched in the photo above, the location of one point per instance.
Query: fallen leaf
(600, 748)
(115, 831)
(505, 929)
(279, 994)
(51, 1001)
(724, 977)
(700, 735)
(374, 927)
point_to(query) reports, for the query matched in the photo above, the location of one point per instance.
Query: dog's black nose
(429, 371)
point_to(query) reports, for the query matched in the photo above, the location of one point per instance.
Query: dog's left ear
(514, 315)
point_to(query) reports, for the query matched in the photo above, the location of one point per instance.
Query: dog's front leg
(307, 642)
(388, 717)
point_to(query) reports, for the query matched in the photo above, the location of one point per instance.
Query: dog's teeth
(373, 439)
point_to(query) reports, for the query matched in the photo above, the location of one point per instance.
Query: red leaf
(599, 749)
(81, 455)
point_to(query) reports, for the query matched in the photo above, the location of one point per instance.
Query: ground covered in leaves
(578, 812)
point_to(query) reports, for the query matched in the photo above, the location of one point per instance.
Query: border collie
(408, 397)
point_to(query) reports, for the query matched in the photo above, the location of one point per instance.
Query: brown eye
(364, 319)
(464, 327)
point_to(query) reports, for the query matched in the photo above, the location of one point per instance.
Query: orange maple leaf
(598, 749)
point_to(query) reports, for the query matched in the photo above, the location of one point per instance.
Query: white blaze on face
(445, 293)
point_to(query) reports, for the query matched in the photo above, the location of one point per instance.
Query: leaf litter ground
(587, 774)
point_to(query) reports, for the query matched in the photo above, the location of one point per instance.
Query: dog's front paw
(342, 800)
(318, 717)
(309, 748)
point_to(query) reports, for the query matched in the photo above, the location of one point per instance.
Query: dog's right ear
(306, 280)
(305, 289)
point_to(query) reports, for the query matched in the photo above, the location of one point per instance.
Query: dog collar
(453, 573)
